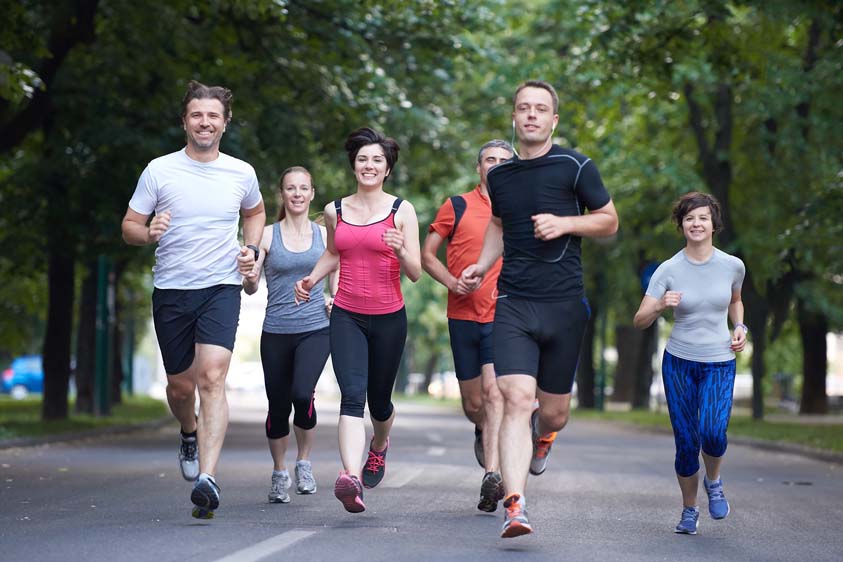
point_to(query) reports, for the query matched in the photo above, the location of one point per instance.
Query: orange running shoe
(541, 446)
(515, 521)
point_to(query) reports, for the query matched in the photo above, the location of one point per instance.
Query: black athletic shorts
(540, 339)
(185, 317)
(471, 344)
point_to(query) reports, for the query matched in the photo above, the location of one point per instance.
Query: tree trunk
(756, 313)
(644, 368)
(56, 350)
(629, 342)
(813, 327)
(429, 368)
(86, 341)
(118, 332)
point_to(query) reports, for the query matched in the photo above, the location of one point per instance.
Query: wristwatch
(256, 250)
(745, 329)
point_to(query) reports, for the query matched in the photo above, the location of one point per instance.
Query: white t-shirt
(200, 247)
(700, 331)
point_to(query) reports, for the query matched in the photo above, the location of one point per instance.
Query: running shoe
(491, 492)
(349, 491)
(205, 497)
(305, 483)
(515, 522)
(689, 521)
(718, 506)
(375, 467)
(189, 457)
(278, 489)
(541, 446)
(479, 452)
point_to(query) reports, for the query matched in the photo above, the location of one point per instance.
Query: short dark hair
(695, 200)
(365, 136)
(496, 143)
(539, 84)
(198, 91)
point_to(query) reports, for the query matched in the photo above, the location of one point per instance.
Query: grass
(22, 418)
(828, 437)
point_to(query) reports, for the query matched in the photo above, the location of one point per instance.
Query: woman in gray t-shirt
(295, 340)
(703, 286)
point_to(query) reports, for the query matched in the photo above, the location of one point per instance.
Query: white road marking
(267, 548)
(436, 451)
(401, 478)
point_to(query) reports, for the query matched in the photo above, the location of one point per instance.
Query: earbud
(513, 123)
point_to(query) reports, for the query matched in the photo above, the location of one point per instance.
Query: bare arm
(329, 260)
(137, 233)
(431, 263)
(472, 276)
(404, 241)
(597, 223)
(251, 282)
(736, 315)
(651, 308)
(254, 220)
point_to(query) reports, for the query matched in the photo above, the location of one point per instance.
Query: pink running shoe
(349, 491)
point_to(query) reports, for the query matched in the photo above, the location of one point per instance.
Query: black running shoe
(205, 497)
(491, 492)
(375, 467)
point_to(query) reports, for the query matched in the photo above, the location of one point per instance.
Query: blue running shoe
(718, 506)
(688, 524)
(205, 497)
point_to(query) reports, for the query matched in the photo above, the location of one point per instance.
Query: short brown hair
(695, 200)
(365, 136)
(539, 84)
(198, 91)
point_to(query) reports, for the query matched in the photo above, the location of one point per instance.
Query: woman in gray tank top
(295, 339)
(703, 287)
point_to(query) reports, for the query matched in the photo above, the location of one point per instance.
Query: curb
(775, 446)
(21, 442)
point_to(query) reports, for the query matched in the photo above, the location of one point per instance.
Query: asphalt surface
(609, 494)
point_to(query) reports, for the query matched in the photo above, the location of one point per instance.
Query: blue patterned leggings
(699, 398)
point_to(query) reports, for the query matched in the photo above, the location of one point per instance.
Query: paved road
(609, 494)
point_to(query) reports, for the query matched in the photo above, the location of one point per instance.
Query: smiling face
(296, 193)
(533, 115)
(204, 124)
(370, 167)
(697, 225)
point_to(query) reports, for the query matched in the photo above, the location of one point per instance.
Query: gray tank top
(282, 269)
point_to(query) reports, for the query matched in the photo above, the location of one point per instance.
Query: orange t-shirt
(463, 250)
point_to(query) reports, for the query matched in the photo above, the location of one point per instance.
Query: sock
(188, 435)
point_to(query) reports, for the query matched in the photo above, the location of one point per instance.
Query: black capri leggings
(366, 351)
(292, 364)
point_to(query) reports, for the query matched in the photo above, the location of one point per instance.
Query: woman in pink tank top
(373, 236)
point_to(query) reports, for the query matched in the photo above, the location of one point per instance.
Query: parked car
(25, 375)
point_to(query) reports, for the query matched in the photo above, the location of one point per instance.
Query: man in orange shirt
(462, 221)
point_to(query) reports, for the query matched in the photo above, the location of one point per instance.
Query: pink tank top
(370, 274)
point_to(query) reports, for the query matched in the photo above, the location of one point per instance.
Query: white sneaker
(278, 489)
(305, 483)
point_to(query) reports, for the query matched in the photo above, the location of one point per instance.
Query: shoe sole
(204, 505)
(516, 529)
(678, 532)
(534, 473)
(285, 499)
(306, 492)
(487, 505)
(489, 498)
(346, 492)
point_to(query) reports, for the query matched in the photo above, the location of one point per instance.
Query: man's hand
(470, 279)
(246, 262)
(547, 226)
(158, 226)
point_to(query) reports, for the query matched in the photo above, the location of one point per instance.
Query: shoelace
(305, 472)
(689, 514)
(716, 492)
(188, 449)
(375, 461)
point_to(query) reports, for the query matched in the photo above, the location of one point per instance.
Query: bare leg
(492, 416)
(352, 438)
(689, 486)
(712, 467)
(278, 449)
(304, 441)
(518, 393)
(181, 396)
(471, 394)
(382, 429)
(211, 367)
(553, 411)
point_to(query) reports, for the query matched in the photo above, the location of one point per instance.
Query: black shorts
(471, 343)
(185, 317)
(540, 339)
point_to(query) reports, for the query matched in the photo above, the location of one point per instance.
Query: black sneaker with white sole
(205, 497)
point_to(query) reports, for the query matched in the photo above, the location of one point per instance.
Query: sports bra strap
(395, 205)
(338, 206)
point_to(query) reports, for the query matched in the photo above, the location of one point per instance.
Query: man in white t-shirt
(198, 195)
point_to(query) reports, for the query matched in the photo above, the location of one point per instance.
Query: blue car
(25, 375)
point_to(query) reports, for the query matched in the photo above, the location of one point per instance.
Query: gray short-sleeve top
(700, 329)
